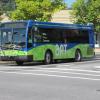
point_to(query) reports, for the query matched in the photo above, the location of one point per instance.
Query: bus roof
(53, 25)
(60, 25)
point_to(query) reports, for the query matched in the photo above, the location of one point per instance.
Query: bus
(28, 41)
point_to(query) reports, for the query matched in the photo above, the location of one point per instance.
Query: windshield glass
(15, 37)
(19, 36)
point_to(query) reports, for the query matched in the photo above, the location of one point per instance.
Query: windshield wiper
(8, 43)
(13, 46)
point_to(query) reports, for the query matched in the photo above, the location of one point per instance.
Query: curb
(6, 62)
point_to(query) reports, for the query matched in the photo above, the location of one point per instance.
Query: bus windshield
(13, 38)
(19, 36)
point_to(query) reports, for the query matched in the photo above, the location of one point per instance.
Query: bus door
(33, 37)
(30, 37)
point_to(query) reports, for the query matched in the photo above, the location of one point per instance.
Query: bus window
(70, 35)
(84, 36)
(76, 36)
(19, 36)
(50, 35)
(42, 35)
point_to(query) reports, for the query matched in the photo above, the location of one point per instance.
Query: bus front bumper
(17, 58)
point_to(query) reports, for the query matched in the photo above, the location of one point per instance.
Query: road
(61, 81)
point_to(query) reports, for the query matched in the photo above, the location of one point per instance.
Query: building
(4, 18)
(63, 16)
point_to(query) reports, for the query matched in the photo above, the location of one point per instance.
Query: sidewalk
(7, 62)
(97, 51)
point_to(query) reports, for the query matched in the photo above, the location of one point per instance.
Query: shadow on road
(50, 65)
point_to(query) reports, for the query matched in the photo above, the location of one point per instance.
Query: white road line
(70, 69)
(48, 71)
(98, 67)
(63, 72)
(61, 69)
(58, 76)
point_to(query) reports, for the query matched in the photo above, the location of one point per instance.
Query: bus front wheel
(48, 58)
(19, 63)
(78, 56)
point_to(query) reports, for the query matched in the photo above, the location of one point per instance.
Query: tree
(87, 11)
(40, 10)
(6, 6)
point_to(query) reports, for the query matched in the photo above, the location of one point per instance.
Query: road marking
(62, 72)
(97, 67)
(78, 70)
(58, 76)
(61, 69)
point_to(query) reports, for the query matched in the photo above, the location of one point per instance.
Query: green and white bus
(27, 41)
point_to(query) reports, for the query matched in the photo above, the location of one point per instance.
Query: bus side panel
(84, 50)
(59, 51)
(38, 52)
(81, 47)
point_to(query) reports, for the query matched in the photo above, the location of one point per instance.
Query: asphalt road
(62, 81)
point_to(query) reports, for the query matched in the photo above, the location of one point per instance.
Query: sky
(69, 2)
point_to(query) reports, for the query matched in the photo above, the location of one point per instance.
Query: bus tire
(19, 63)
(48, 58)
(78, 56)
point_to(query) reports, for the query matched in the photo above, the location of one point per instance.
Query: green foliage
(6, 6)
(40, 10)
(87, 11)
